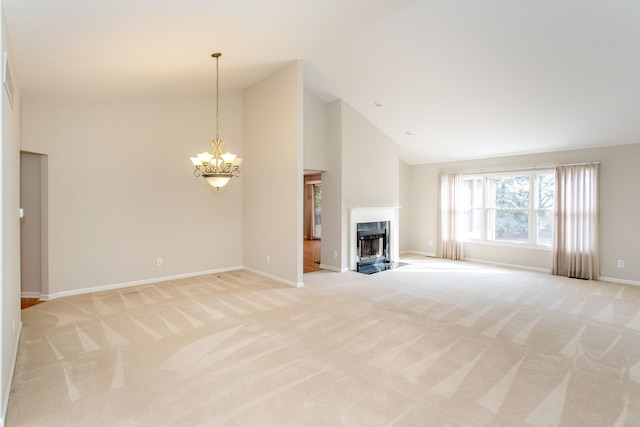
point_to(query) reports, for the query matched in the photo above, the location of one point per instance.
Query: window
(317, 211)
(510, 208)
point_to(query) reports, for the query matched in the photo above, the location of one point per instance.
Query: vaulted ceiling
(456, 79)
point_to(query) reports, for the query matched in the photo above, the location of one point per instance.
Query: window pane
(545, 227)
(546, 190)
(473, 208)
(511, 192)
(512, 225)
(317, 211)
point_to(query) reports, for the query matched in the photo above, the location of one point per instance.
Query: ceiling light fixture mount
(216, 166)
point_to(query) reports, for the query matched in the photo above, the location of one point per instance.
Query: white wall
(273, 177)
(10, 229)
(619, 204)
(122, 191)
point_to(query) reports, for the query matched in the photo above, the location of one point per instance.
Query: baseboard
(427, 254)
(7, 392)
(30, 295)
(525, 267)
(506, 265)
(48, 297)
(621, 281)
(134, 283)
(277, 279)
(548, 271)
(332, 268)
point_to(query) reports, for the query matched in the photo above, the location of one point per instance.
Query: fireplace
(374, 239)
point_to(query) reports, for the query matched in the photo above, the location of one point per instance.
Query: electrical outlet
(620, 263)
(14, 325)
(335, 254)
(430, 242)
(268, 259)
(159, 262)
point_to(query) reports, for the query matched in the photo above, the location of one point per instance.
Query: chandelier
(216, 166)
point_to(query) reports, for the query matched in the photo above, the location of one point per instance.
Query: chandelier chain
(217, 100)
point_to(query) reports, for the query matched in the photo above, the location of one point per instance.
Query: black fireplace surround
(372, 253)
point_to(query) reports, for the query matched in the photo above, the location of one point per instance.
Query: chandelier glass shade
(216, 166)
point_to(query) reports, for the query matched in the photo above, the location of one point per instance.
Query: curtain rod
(531, 168)
(580, 164)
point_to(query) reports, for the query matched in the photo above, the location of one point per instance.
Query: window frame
(532, 210)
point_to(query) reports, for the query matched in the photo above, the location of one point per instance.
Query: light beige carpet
(433, 343)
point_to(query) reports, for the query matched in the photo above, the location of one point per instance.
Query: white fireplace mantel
(358, 215)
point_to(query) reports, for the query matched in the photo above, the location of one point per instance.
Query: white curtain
(451, 215)
(576, 250)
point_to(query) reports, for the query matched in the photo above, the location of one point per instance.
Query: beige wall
(422, 205)
(272, 199)
(620, 208)
(364, 171)
(405, 201)
(31, 225)
(331, 255)
(370, 160)
(122, 191)
(10, 232)
(315, 133)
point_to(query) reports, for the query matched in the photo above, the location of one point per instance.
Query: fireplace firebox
(372, 253)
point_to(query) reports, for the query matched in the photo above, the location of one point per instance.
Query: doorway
(34, 261)
(312, 221)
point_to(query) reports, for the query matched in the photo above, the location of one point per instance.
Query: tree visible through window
(508, 211)
(514, 208)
